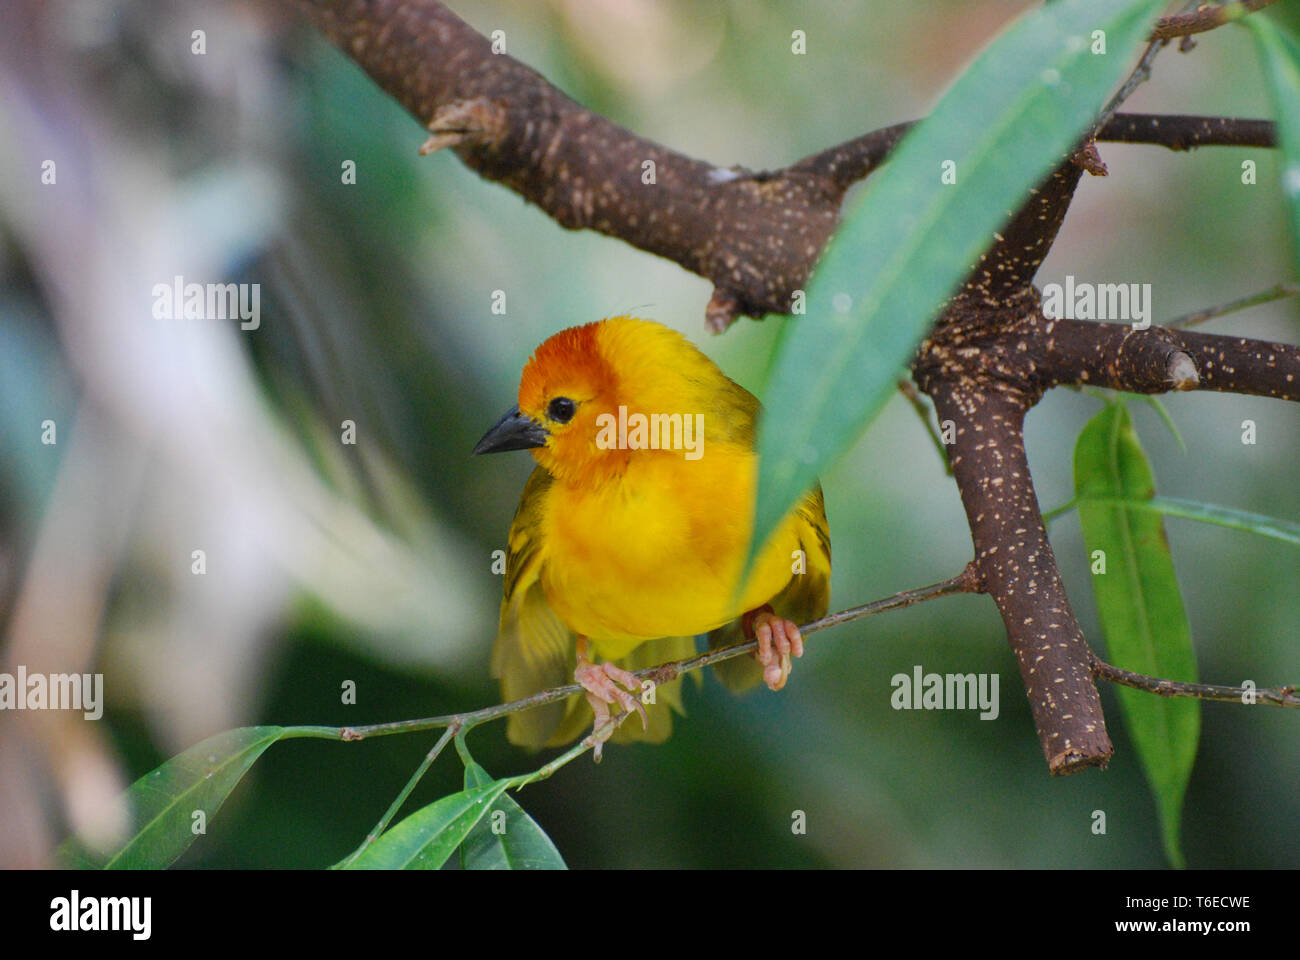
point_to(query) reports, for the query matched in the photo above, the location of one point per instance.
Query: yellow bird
(633, 530)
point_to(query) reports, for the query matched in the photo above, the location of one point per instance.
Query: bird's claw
(607, 684)
(778, 639)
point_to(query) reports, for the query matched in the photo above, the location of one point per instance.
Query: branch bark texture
(754, 235)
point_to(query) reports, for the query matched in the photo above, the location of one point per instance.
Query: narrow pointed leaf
(1140, 607)
(425, 839)
(506, 838)
(163, 802)
(911, 238)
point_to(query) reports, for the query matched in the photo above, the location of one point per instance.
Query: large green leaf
(511, 842)
(425, 839)
(911, 239)
(1280, 53)
(163, 802)
(1140, 607)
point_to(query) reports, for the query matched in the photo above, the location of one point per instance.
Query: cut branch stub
(1158, 359)
(722, 311)
(1182, 371)
(479, 122)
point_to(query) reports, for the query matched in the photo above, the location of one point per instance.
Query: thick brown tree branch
(754, 235)
(1187, 133)
(1015, 561)
(987, 361)
(981, 378)
(1007, 268)
(1116, 355)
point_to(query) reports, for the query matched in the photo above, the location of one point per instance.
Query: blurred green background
(371, 563)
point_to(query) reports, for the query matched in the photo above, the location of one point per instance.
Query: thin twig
(1278, 292)
(908, 389)
(599, 735)
(387, 818)
(518, 782)
(1273, 696)
(1140, 75)
(1181, 132)
(965, 582)
(1050, 515)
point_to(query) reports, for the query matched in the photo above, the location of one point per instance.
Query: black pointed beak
(514, 431)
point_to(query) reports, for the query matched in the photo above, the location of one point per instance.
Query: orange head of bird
(565, 387)
(579, 378)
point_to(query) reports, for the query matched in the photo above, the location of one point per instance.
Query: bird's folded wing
(534, 649)
(805, 598)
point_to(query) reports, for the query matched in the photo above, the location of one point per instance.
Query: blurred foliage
(376, 308)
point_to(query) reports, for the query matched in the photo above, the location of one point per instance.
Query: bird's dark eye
(561, 409)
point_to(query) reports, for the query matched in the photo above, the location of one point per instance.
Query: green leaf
(425, 839)
(1288, 531)
(520, 845)
(1280, 54)
(910, 239)
(163, 802)
(1140, 607)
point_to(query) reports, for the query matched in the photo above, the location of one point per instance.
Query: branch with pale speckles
(1014, 561)
(975, 367)
(989, 359)
(1160, 359)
